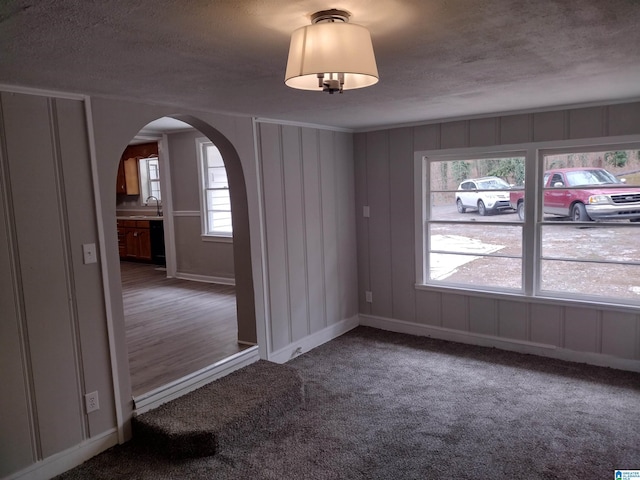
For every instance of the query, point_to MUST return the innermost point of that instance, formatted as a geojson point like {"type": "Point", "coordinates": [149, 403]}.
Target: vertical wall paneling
{"type": "Point", "coordinates": [87, 283]}
{"type": "Point", "coordinates": [548, 126]}
{"type": "Point", "coordinates": [295, 231]}
{"type": "Point", "coordinates": [401, 216]}
{"type": "Point", "coordinates": [43, 272]}
{"type": "Point", "coordinates": [515, 129]}
{"type": "Point", "coordinates": [623, 119]}
{"type": "Point", "coordinates": [454, 134]}
{"type": "Point", "coordinates": [383, 258]}
{"type": "Point", "coordinates": [545, 324]}
{"type": "Point", "coordinates": [347, 260]}
{"type": "Point", "coordinates": [17, 435]}
{"type": "Point", "coordinates": [482, 316]}
{"type": "Point", "coordinates": [581, 329]}
{"type": "Point", "coordinates": [328, 171]}
{"type": "Point", "coordinates": [426, 137]}
{"type": "Point", "coordinates": [275, 233]}
{"type": "Point", "coordinates": [313, 231]}
{"type": "Point", "coordinates": [429, 308]}
{"type": "Point", "coordinates": [619, 334]}
{"type": "Point", "coordinates": [512, 320]}
{"type": "Point", "coordinates": [587, 122]}
{"type": "Point", "coordinates": [455, 311]}
{"type": "Point", "coordinates": [380, 259]}
{"type": "Point", "coordinates": [482, 132]}
{"type": "Point", "coordinates": [362, 223]}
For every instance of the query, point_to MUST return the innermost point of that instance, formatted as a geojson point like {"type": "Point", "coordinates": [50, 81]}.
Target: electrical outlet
{"type": "Point", "coordinates": [92, 403]}
{"type": "Point", "coordinates": [368, 296]}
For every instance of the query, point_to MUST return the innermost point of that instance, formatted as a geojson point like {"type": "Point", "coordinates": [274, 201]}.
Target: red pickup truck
{"type": "Point", "coordinates": [594, 194]}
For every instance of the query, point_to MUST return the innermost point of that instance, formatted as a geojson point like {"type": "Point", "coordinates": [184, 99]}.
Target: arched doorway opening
{"type": "Point", "coordinates": [189, 256]}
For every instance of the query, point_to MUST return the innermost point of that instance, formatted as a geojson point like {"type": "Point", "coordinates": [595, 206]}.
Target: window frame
{"type": "Point", "coordinates": [533, 224]}
{"type": "Point", "coordinates": [206, 234]}
{"type": "Point", "coordinates": [146, 189]}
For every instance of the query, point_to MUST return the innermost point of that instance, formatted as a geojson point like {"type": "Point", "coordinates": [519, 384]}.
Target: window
{"type": "Point", "coordinates": [589, 224]}
{"type": "Point", "coordinates": [149, 179]}
{"type": "Point", "coordinates": [473, 237]}
{"type": "Point", "coordinates": [216, 202]}
{"type": "Point", "coordinates": [575, 236]}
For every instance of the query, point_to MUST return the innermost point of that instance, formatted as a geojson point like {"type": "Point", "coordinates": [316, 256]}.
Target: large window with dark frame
{"type": "Point", "coordinates": [579, 222]}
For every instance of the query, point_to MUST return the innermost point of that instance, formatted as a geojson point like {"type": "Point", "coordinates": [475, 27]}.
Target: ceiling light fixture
{"type": "Point", "coordinates": [331, 55]}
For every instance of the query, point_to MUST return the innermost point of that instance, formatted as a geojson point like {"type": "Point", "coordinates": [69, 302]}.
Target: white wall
{"type": "Point", "coordinates": [386, 245]}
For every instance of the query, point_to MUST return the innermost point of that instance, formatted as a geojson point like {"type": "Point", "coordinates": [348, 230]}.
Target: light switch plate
{"type": "Point", "coordinates": [89, 253]}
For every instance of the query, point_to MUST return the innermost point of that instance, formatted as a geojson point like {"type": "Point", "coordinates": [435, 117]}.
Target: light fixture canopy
{"type": "Point", "coordinates": [331, 55]}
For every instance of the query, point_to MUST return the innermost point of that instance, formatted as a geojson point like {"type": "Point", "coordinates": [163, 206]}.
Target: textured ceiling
{"type": "Point", "coordinates": [437, 58]}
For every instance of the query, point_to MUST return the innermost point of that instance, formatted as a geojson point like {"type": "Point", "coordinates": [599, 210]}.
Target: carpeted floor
{"type": "Point", "coordinates": [381, 405]}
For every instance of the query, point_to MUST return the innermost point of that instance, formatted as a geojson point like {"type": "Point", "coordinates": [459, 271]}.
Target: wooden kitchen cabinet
{"type": "Point", "coordinates": [134, 240]}
{"type": "Point", "coordinates": [128, 182]}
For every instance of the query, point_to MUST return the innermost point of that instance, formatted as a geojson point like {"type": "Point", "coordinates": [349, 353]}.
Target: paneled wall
{"type": "Point", "coordinates": [308, 203]}
{"type": "Point", "coordinates": [53, 338]}
{"type": "Point", "coordinates": [384, 162]}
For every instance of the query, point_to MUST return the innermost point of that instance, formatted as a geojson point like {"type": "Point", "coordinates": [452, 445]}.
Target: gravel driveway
{"type": "Point", "coordinates": [561, 242]}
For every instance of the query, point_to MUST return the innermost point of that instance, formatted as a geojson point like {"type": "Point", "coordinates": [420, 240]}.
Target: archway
{"type": "Point", "coordinates": [245, 308]}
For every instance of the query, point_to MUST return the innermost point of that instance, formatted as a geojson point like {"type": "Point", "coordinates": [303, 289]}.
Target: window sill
{"type": "Point", "coordinates": [217, 238]}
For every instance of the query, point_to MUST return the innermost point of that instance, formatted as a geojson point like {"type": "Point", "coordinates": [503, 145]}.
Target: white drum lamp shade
{"type": "Point", "coordinates": [331, 51]}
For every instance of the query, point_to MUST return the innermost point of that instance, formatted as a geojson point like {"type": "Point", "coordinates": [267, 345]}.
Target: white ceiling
{"type": "Point", "coordinates": [437, 58]}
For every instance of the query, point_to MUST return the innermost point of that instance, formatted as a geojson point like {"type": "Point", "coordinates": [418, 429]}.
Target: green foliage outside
{"type": "Point", "coordinates": [510, 169]}
{"type": "Point", "coordinates": [460, 170]}
{"type": "Point", "coordinates": [616, 159]}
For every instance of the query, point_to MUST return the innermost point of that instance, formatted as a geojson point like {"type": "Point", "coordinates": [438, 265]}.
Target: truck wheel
{"type": "Point", "coordinates": [482, 209]}
{"type": "Point", "coordinates": [461, 208]}
{"type": "Point", "coordinates": [520, 210]}
{"type": "Point", "coordinates": [579, 213]}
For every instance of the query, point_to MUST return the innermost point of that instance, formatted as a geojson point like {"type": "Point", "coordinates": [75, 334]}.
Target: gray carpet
{"type": "Point", "coordinates": [221, 412]}
{"type": "Point", "coordinates": [381, 405]}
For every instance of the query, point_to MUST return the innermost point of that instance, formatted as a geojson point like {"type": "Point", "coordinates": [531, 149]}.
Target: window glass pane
{"type": "Point", "coordinates": [482, 255]}
{"type": "Point", "coordinates": [480, 271]}
{"type": "Point", "coordinates": [588, 186]}
{"type": "Point", "coordinates": [219, 222]}
{"type": "Point", "coordinates": [613, 281]}
{"type": "Point", "coordinates": [606, 243]}
{"type": "Point", "coordinates": [463, 190]}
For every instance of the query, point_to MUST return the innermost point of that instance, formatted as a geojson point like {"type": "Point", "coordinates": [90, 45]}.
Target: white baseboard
{"type": "Point", "coordinates": [187, 384]}
{"type": "Point", "coordinates": [513, 345]}
{"type": "Point", "coordinates": [205, 278]}
{"type": "Point", "coordinates": [314, 340]}
{"type": "Point", "coordinates": [68, 459]}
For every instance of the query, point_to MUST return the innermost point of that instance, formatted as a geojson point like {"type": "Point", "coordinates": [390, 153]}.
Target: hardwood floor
{"type": "Point", "coordinates": [174, 327]}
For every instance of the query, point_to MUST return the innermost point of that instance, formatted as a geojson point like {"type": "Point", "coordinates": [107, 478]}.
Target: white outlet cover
{"type": "Point", "coordinates": [89, 253]}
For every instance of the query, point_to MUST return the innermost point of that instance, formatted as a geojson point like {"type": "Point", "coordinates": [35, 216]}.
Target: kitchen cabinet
{"type": "Point", "coordinates": [134, 240]}
{"type": "Point", "coordinates": [128, 182]}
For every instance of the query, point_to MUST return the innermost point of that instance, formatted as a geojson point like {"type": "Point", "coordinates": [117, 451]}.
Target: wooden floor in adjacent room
{"type": "Point", "coordinates": [174, 327]}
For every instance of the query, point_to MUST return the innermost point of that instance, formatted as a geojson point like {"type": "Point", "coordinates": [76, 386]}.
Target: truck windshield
{"type": "Point", "coordinates": [590, 177]}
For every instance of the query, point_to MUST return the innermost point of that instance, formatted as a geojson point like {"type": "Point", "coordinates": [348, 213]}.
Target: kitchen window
{"type": "Point", "coordinates": [215, 198]}
{"type": "Point", "coordinates": [149, 170]}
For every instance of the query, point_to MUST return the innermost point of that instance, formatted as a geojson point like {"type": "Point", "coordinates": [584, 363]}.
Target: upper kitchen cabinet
{"type": "Point", "coordinates": [128, 181]}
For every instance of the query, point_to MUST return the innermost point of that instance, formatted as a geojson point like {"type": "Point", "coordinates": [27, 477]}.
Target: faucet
{"type": "Point", "coordinates": [158, 211]}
